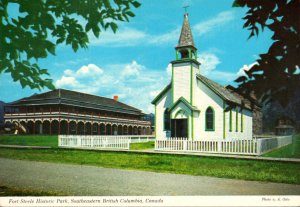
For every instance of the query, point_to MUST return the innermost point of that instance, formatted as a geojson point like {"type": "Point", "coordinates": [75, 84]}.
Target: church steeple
{"type": "Point", "coordinates": [186, 37]}
{"type": "Point", "coordinates": [186, 46]}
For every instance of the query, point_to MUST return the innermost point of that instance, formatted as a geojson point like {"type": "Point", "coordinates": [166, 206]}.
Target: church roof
{"type": "Point", "coordinates": [224, 93]}
{"type": "Point", "coordinates": [186, 37]}
{"type": "Point", "coordinates": [74, 98]}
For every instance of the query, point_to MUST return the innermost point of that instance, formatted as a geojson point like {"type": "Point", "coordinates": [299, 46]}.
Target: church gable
{"type": "Point", "coordinates": [162, 93]}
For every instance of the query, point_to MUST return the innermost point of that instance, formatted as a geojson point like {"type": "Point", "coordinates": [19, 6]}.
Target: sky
{"type": "Point", "coordinates": [134, 63]}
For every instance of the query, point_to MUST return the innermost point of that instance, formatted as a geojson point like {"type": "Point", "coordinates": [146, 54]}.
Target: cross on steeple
{"type": "Point", "coordinates": [185, 6]}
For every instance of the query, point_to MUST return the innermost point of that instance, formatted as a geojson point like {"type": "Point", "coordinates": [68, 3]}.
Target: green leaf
{"type": "Point", "coordinates": [136, 4]}
{"type": "Point", "coordinates": [114, 26]}
{"type": "Point", "coordinates": [236, 4]}
{"type": "Point", "coordinates": [49, 85]}
{"type": "Point", "coordinates": [129, 13]}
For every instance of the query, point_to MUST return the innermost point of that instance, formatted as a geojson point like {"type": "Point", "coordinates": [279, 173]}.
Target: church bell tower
{"type": "Point", "coordinates": [186, 66]}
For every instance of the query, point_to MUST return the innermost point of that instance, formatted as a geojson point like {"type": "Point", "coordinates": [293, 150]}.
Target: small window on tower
{"type": "Point", "coordinates": [184, 54]}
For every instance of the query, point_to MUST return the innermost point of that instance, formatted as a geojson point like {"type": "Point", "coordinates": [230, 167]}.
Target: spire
{"type": "Point", "coordinates": [186, 37]}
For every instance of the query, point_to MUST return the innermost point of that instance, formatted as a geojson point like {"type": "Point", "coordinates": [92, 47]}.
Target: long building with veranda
{"type": "Point", "coordinates": [63, 111]}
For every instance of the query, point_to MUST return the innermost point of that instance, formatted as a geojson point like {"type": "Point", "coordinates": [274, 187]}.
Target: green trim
{"type": "Point", "coordinates": [189, 133]}
{"type": "Point", "coordinates": [184, 101]}
{"type": "Point", "coordinates": [192, 125]}
{"type": "Point", "coordinates": [224, 121]}
{"type": "Point", "coordinates": [213, 129]}
{"type": "Point", "coordinates": [172, 84]}
{"type": "Point", "coordinates": [191, 86]}
{"type": "Point", "coordinates": [236, 120]}
{"type": "Point", "coordinates": [230, 120]}
{"type": "Point", "coordinates": [179, 111]}
{"type": "Point", "coordinates": [184, 60]}
{"type": "Point", "coordinates": [176, 54]}
{"type": "Point", "coordinates": [191, 95]}
{"type": "Point", "coordinates": [155, 124]}
{"type": "Point", "coordinates": [161, 94]}
{"type": "Point", "coordinates": [242, 121]}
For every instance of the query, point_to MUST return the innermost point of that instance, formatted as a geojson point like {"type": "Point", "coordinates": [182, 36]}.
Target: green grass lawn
{"type": "Point", "coordinates": [142, 146]}
{"type": "Point", "coordinates": [29, 140]}
{"type": "Point", "coordinates": [191, 165]}
{"type": "Point", "coordinates": [289, 151]}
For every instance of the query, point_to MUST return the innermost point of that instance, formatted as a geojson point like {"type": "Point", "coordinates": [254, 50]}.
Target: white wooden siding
{"type": "Point", "coordinates": [161, 105]}
{"type": "Point", "coordinates": [182, 78]}
{"type": "Point", "coordinates": [247, 125]}
{"type": "Point", "coordinates": [204, 98]}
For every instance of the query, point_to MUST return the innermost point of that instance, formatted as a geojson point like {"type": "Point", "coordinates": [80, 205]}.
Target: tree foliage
{"type": "Point", "coordinates": [39, 26]}
{"type": "Point", "coordinates": [276, 77]}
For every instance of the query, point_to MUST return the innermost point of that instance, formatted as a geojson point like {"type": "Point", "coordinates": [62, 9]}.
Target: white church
{"type": "Point", "coordinates": [193, 106]}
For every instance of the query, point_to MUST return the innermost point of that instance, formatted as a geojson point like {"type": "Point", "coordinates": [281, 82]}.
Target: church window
{"type": "Point", "coordinates": [166, 120]}
{"type": "Point", "coordinates": [209, 119]}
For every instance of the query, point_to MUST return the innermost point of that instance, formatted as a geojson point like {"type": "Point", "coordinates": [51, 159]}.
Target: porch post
{"type": "Point", "coordinates": [50, 127]}
{"type": "Point", "coordinates": [33, 126]}
{"type": "Point", "coordinates": [59, 126]}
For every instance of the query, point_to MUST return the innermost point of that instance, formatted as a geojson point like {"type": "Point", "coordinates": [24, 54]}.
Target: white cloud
{"type": "Point", "coordinates": [67, 81]}
{"type": "Point", "coordinates": [133, 69]}
{"type": "Point", "coordinates": [89, 70]}
{"type": "Point", "coordinates": [135, 84]}
{"type": "Point", "coordinates": [123, 37]}
{"type": "Point", "coordinates": [126, 36]}
{"type": "Point", "coordinates": [169, 70]}
{"type": "Point", "coordinates": [209, 62]}
{"type": "Point", "coordinates": [242, 70]}
{"type": "Point", "coordinates": [211, 24]}
{"type": "Point", "coordinates": [168, 37]}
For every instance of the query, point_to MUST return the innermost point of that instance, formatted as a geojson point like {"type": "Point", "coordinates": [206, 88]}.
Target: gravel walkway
{"type": "Point", "coordinates": [97, 181]}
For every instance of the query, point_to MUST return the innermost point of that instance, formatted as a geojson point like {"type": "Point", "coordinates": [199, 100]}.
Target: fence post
{"type": "Point", "coordinates": [184, 145]}
{"type": "Point", "coordinates": [258, 146]}
{"type": "Point", "coordinates": [219, 146]}
{"type": "Point", "coordinates": [92, 141]}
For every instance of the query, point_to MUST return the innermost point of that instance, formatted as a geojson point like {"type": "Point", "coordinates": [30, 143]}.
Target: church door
{"type": "Point", "coordinates": [179, 128]}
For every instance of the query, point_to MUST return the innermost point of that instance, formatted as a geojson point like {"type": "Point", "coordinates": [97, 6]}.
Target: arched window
{"type": "Point", "coordinates": [166, 120]}
{"type": "Point", "coordinates": [209, 119]}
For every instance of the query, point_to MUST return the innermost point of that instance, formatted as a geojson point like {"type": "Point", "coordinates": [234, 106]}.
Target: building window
{"type": "Point", "coordinates": [230, 120]}
{"type": "Point", "coordinates": [236, 121]}
{"type": "Point", "coordinates": [209, 119]}
{"type": "Point", "coordinates": [166, 120]}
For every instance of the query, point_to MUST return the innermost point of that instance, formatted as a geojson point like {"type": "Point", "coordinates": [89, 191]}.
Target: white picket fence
{"type": "Point", "coordinates": [141, 138]}
{"type": "Point", "coordinates": [249, 147]}
{"type": "Point", "coordinates": [244, 147]}
{"type": "Point", "coordinates": [94, 142]}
